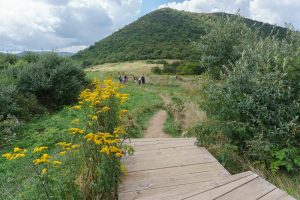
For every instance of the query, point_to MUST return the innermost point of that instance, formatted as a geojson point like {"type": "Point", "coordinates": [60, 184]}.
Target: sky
{"type": "Point", "coordinates": [72, 25]}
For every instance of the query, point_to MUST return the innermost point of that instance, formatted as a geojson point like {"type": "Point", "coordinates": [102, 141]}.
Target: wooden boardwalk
{"type": "Point", "coordinates": [176, 169]}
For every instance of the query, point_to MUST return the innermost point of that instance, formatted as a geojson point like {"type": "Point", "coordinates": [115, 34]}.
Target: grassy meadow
{"type": "Point", "coordinates": [185, 114]}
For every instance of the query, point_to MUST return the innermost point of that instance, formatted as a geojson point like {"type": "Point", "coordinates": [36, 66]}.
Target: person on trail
{"type": "Point", "coordinates": [140, 80]}
{"type": "Point", "coordinates": [121, 79]}
{"type": "Point", "coordinates": [125, 79]}
{"type": "Point", "coordinates": [143, 79]}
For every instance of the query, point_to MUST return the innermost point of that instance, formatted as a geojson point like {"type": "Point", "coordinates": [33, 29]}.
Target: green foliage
{"type": "Point", "coordinates": [30, 57]}
{"type": "Point", "coordinates": [224, 44]}
{"type": "Point", "coordinates": [55, 81]}
{"type": "Point", "coordinates": [165, 33]}
{"type": "Point", "coordinates": [258, 101]}
{"type": "Point", "coordinates": [156, 70]}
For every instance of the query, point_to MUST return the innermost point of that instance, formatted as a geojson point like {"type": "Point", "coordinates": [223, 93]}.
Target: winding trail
{"type": "Point", "coordinates": [156, 123]}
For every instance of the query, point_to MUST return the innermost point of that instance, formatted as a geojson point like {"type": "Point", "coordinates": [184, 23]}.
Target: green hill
{"type": "Point", "coordinates": [164, 33]}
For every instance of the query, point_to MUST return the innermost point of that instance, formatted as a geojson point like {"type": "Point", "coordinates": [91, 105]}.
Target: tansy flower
{"type": "Point", "coordinates": [75, 146]}
{"type": "Point", "coordinates": [57, 162]}
{"type": "Point", "coordinates": [105, 109]}
{"type": "Point", "coordinates": [76, 107]}
{"type": "Point", "coordinates": [73, 131]}
{"type": "Point", "coordinates": [39, 149]}
{"type": "Point", "coordinates": [62, 153]}
{"type": "Point", "coordinates": [8, 156]}
{"type": "Point", "coordinates": [42, 160]}
{"type": "Point", "coordinates": [94, 117]}
{"type": "Point", "coordinates": [17, 149]}
{"type": "Point", "coordinates": [114, 149]}
{"type": "Point", "coordinates": [44, 171]}
{"type": "Point", "coordinates": [119, 155]}
{"type": "Point", "coordinates": [105, 150]}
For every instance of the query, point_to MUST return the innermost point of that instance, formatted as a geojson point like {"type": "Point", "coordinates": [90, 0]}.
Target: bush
{"type": "Point", "coordinates": [156, 70]}
{"type": "Point", "coordinates": [55, 81]}
{"type": "Point", "coordinates": [258, 102]}
{"type": "Point", "coordinates": [224, 44]}
{"type": "Point", "coordinates": [8, 127]}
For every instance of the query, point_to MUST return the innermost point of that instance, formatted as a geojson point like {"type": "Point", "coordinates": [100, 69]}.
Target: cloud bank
{"type": "Point", "coordinates": [61, 24]}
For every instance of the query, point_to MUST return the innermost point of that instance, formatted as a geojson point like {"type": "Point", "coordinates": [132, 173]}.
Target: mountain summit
{"type": "Point", "coordinates": [164, 33]}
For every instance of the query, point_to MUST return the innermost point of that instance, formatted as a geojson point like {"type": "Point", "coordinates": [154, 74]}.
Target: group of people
{"type": "Point", "coordinates": [140, 80]}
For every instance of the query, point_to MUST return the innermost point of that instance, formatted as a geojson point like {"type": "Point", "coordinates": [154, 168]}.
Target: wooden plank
{"type": "Point", "coordinates": [157, 182]}
{"type": "Point", "coordinates": [169, 152]}
{"type": "Point", "coordinates": [162, 145]}
{"type": "Point", "coordinates": [165, 172]}
{"type": "Point", "coordinates": [286, 197]}
{"type": "Point", "coordinates": [141, 140]}
{"type": "Point", "coordinates": [177, 189]}
{"type": "Point", "coordinates": [138, 164]}
{"type": "Point", "coordinates": [219, 191]}
{"type": "Point", "coordinates": [154, 152]}
{"type": "Point", "coordinates": [274, 194]}
{"type": "Point", "coordinates": [253, 190]}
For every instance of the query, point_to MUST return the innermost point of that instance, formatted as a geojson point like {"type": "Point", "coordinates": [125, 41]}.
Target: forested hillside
{"type": "Point", "coordinates": [165, 33]}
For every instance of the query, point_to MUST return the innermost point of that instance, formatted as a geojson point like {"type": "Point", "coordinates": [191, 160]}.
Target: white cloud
{"type": "Point", "coordinates": [59, 24]}
{"type": "Point", "coordinates": [271, 11]}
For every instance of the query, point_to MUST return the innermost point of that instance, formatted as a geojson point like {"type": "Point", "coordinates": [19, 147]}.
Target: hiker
{"type": "Point", "coordinates": [143, 79]}
{"type": "Point", "coordinates": [125, 79]}
{"type": "Point", "coordinates": [121, 79]}
{"type": "Point", "coordinates": [140, 80]}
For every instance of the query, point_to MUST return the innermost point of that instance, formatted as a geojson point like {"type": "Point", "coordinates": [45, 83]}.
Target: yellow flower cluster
{"type": "Point", "coordinates": [100, 93]}
{"type": "Point", "coordinates": [95, 100]}
{"type": "Point", "coordinates": [17, 153]}
{"type": "Point", "coordinates": [74, 131]}
{"type": "Point", "coordinates": [42, 160]}
{"type": "Point", "coordinates": [39, 149]}
{"type": "Point", "coordinates": [67, 147]}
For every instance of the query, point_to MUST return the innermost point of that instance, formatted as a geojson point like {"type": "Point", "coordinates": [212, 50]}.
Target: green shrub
{"type": "Point", "coordinates": [156, 70]}
{"type": "Point", "coordinates": [55, 81]}
{"type": "Point", "coordinates": [224, 44]}
{"type": "Point", "coordinates": [258, 101]}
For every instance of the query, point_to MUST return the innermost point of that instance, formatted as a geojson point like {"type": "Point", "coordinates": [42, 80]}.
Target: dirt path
{"type": "Point", "coordinates": [156, 123]}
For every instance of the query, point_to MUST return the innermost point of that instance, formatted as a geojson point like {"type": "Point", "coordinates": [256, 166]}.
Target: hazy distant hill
{"type": "Point", "coordinates": [64, 54]}
{"type": "Point", "coordinates": [164, 33]}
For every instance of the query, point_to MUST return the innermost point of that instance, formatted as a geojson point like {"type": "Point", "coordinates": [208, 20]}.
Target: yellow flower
{"type": "Point", "coordinates": [39, 149]}
{"type": "Point", "coordinates": [19, 155]}
{"type": "Point", "coordinates": [17, 149]}
{"type": "Point", "coordinates": [76, 107]}
{"type": "Point", "coordinates": [73, 131]}
{"type": "Point", "coordinates": [114, 149]}
{"type": "Point", "coordinates": [75, 146]}
{"type": "Point", "coordinates": [119, 154]}
{"type": "Point", "coordinates": [8, 156]}
{"type": "Point", "coordinates": [44, 171]}
{"type": "Point", "coordinates": [57, 162]}
{"type": "Point", "coordinates": [94, 117]}
{"type": "Point", "coordinates": [105, 150]}
{"type": "Point", "coordinates": [105, 109]}
{"type": "Point", "coordinates": [62, 153]}
{"type": "Point", "coordinates": [120, 130]}
{"type": "Point", "coordinates": [90, 137]}
{"type": "Point", "coordinates": [42, 160]}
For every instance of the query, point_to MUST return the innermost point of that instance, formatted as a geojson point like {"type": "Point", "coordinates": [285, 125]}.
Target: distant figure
{"type": "Point", "coordinates": [125, 79]}
{"type": "Point", "coordinates": [121, 79]}
{"type": "Point", "coordinates": [143, 79]}
{"type": "Point", "coordinates": [134, 79]}
{"type": "Point", "coordinates": [140, 80]}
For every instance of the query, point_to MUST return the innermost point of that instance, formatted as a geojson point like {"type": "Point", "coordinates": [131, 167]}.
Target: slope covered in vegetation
{"type": "Point", "coordinates": [164, 33]}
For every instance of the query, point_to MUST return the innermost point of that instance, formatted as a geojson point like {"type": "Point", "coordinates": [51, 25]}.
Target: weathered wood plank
{"type": "Point", "coordinates": [166, 172]}
{"type": "Point", "coordinates": [253, 190]}
{"type": "Point", "coordinates": [174, 191]}
{"type": "Point", "coordinates": [219, 191]}
{"type": "Point", "coordinates": [274, 194]}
